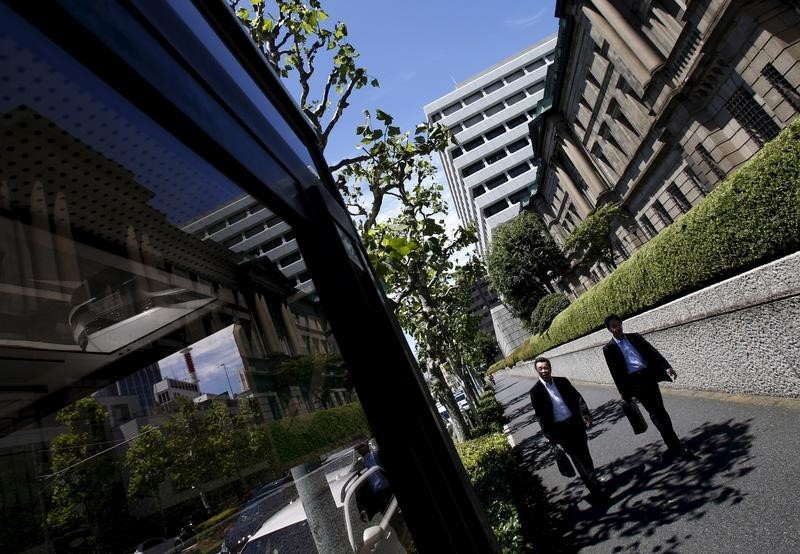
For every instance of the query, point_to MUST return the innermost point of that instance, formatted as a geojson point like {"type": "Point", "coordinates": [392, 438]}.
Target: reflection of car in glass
{"type": "Point", "coordinates": [368, 529]}
{"type": "Point", "coordinates": [157, 545]}
{"type": "Point", "coordinates": [461, 400]}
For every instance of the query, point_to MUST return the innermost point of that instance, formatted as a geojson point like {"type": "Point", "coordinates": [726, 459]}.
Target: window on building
{"type": "Point", "coordinates": [290, 259]}
{"type": "Point", "coordinates": [232, 241]}
{"type": "Point", "coordinates": [534, 65]}
{"type": "Point", "coordinates": [436, 117]}
{"type": "Point", "coordinates": [478, 191]}
{"type": "Point", "coordinates": [647, 227]}
{"type": "Point", "coordinates": [475, 119]}
{"type": "Point", "coordinates": [237, 217]}
{"type": "Point", "coordinates": [752, 116]}
{"type": "Point", "coordinates": [519, 196]}
{"type": "Point", "coordinates": [451, 109]}
{"type": "Point", "coordinates": [272, 221]}
{"type": "Point", "coordinates": [496, 157]}
{"type": "Point", "coordinates": [783, 86]}
{"type": "Point", "coordinates": [514, 98]}
{"type": "Point", "coordinates": [495, 132]}
{"type": "Point", "coordinates": [518, 144]}
{"type": "Point", "coordinates": [253, 231]}
{"type": "Point", "coordinates": [473, 144]}
{"type": "Point", "coordinates": [495, 208]}
{"type": "Point", "coordinates": [494, 109]}
{"type": "Point", "coordinates": [705, 155]}
{"type": "Point", "coordinates": [679, 198]}
{"type": "Point", "coordinates": [516, 121]}
{"type": "Point", "coordinates": [217, 227]}
{"type": "Point", "coordinates": [497, 85]}
{"type": "Point", "coordinates": [518, 170]}
{"type": "Point", "coordinates": [495, 182]}
{"type": "Point", "coordinates": [472, 168]}
{"type": "Point", "coordinates": [514, 76]}
{"type": "Point", "coordinates": [455, 129]}
{"type": "Point", "coordinates": [271, 245]}
{"type": "Point", "coordinates": [663, 214]}
{"type": "Point", "coordinates": [456, 152]}
{"type": "Point", "coordinates": [474, 97]}
{"type": "Point", "coordinates": [534, 88]}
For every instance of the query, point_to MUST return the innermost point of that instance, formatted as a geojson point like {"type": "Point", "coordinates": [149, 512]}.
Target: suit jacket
{"type": "Point", "coordinates": [543, 405]}
{"type": "Point", "coordinates": [656, 364]}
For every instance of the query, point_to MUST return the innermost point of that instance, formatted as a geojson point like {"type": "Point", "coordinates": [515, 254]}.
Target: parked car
{"type": "Point", "coordinates": [157, 545]}
{"type": "Point", "coordinates": [461, 400]}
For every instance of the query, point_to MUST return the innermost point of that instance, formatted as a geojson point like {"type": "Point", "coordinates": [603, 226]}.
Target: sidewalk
{"type": "Point", "coordinates": [742, 495]}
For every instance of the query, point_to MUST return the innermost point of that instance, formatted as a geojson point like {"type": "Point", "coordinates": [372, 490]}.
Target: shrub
{"type": "Point", "coordinates": [489, 463]}
{"type": "Point", "coordinates": [546, 310]}
{"type": "Point", "coordinates": [301, 438]}
{"type": "Point", "coordinates": [490, 414]}
{"type": "Point", "coordinates": [515, 501]}
{"type": "Point", "coordinates": [751, 218]}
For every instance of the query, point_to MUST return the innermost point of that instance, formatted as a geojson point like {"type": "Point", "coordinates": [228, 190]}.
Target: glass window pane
{"type": "Point", "coordinates": [161, 388]}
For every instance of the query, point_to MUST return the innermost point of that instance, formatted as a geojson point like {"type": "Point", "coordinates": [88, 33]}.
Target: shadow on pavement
{"type": "Point", "coordinates": [649, 492]}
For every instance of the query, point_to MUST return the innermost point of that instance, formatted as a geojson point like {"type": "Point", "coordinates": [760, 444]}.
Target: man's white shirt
{"type": "Point", "coordinates": [633, 360]}
{"type": "Point", "coordinates": [561, 411]}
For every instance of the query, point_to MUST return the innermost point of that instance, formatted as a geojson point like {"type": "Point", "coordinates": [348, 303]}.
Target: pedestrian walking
{"type": "Point", "coordinates": [637, 368]}
{"type": "Point", "coordinates": [564, 418]}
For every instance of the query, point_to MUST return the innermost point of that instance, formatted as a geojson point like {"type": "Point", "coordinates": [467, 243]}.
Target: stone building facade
{"type": "Point", "coordinates": [650, 104]}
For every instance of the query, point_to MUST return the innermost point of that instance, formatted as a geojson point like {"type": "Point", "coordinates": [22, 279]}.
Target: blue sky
{"type": "Point", "coordinates": [418, 51]}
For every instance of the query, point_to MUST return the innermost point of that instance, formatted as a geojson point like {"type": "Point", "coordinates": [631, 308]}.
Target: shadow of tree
{"type": "Point", "coordinates": [648, 492]}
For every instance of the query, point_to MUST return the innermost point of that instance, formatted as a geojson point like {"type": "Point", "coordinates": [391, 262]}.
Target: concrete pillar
{"type": "Point", "coordinates": [267, 326]}
{"type": "Point", "coordinates": [291, 330]}
{"type": "Point", "coordinates": [573, 191]}
{"type": "Point", "coordinates": [644, 51]}
{"type": "Point", "coordinates": [620, 47]}
{"type": "Point", "coordinates": [325, 520]}
{"type": "Point", "coordinates": [585, 167]}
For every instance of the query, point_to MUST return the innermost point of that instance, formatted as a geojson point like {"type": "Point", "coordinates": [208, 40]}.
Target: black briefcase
{"type": "Point", "coordinates": [563, 463]}
{"type": "Point", "coordinates": [634, 415]}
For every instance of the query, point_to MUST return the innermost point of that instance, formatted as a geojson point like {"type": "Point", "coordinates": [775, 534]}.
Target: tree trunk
{"type": "Point", "coordinates": [449, 402]}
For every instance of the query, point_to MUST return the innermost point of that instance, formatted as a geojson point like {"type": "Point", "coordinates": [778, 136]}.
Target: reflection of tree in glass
{"type": "Point", "coordinates": [85, 491]}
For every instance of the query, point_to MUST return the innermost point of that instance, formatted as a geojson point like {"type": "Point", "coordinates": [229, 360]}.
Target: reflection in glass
{"type": "Point", "coordinates": [169, 378]}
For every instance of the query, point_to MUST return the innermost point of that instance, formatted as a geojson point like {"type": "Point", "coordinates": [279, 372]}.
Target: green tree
{"type": "Point", "coordinates": [85, 485]}
{"type": "Point", "coordinates": [393, 169]}
{"type": "Point", "coordinates": [193, 461]}
{"type": "Point", "coordinates": [295, 39]}
{"type": "Point", "coordinates": [546, 310]}
{"type": "Point", "coordinates": [522, 260]}
{"type": "Point", "coordinates": [590, 241]}
{"type": "Point", "coordinates": [147, 461]}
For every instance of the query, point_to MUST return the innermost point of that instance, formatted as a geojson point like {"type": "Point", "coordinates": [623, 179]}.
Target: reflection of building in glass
{"type": "Point", "coordinates": [169, 389]}
{"type": "Point", "coordinates": [139, 385]}
{"type": "Point", "coordinates": [79, 285]}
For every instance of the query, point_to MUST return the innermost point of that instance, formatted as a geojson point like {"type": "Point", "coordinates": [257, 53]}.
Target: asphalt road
{"type": "Point", "coordinates": [742, 495]}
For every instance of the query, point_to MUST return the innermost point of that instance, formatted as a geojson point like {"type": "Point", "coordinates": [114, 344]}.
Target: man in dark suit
{"type": "Point", "coordinates": [637, 368]}
{"type": "Point", "coordinates": [564, 418]}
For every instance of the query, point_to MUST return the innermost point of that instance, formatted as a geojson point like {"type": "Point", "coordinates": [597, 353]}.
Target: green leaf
{"type": "Point", "coordinates": [383, 116]}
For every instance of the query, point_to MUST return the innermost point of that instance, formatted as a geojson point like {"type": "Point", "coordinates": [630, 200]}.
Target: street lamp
{"type": "Point", "coordinates": [230, 388]}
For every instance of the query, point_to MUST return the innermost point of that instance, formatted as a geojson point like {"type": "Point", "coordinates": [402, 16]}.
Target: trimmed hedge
{"type": "Point", "coordinates": [489, 462]}
{"type": "Point", "coordinates": [751, 218]}
{"type": "Point", "coordinates": [490, 414]}
{"type": "Point", "coordinates": [515, 501]}
{"type": "Point", "coordinates": [546, 310]}
{"type": "Point", "coordinates": [302, 438]}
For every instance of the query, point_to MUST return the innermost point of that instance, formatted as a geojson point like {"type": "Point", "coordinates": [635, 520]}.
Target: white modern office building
{"type": "Point", "coordinates": [490, 169]}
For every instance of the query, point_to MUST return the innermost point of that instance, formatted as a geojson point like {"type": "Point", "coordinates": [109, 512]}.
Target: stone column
{"type": "Point", "coordinates": [620, 47]}
{"type": "Point", "coordinates": [585, 168]}
{"type": "Point", "coordinates": [573, 191]}
{"type": "Point", "coordinates": [291, 330]}
{"type": "Point", "coordinates": [268, 330]}
{"type": "Point", "coordinates": [649, 56]}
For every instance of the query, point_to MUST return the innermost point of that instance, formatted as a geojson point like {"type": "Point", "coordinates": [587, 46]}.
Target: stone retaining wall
{"type": "Point", "coordinates": [740, 336]}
